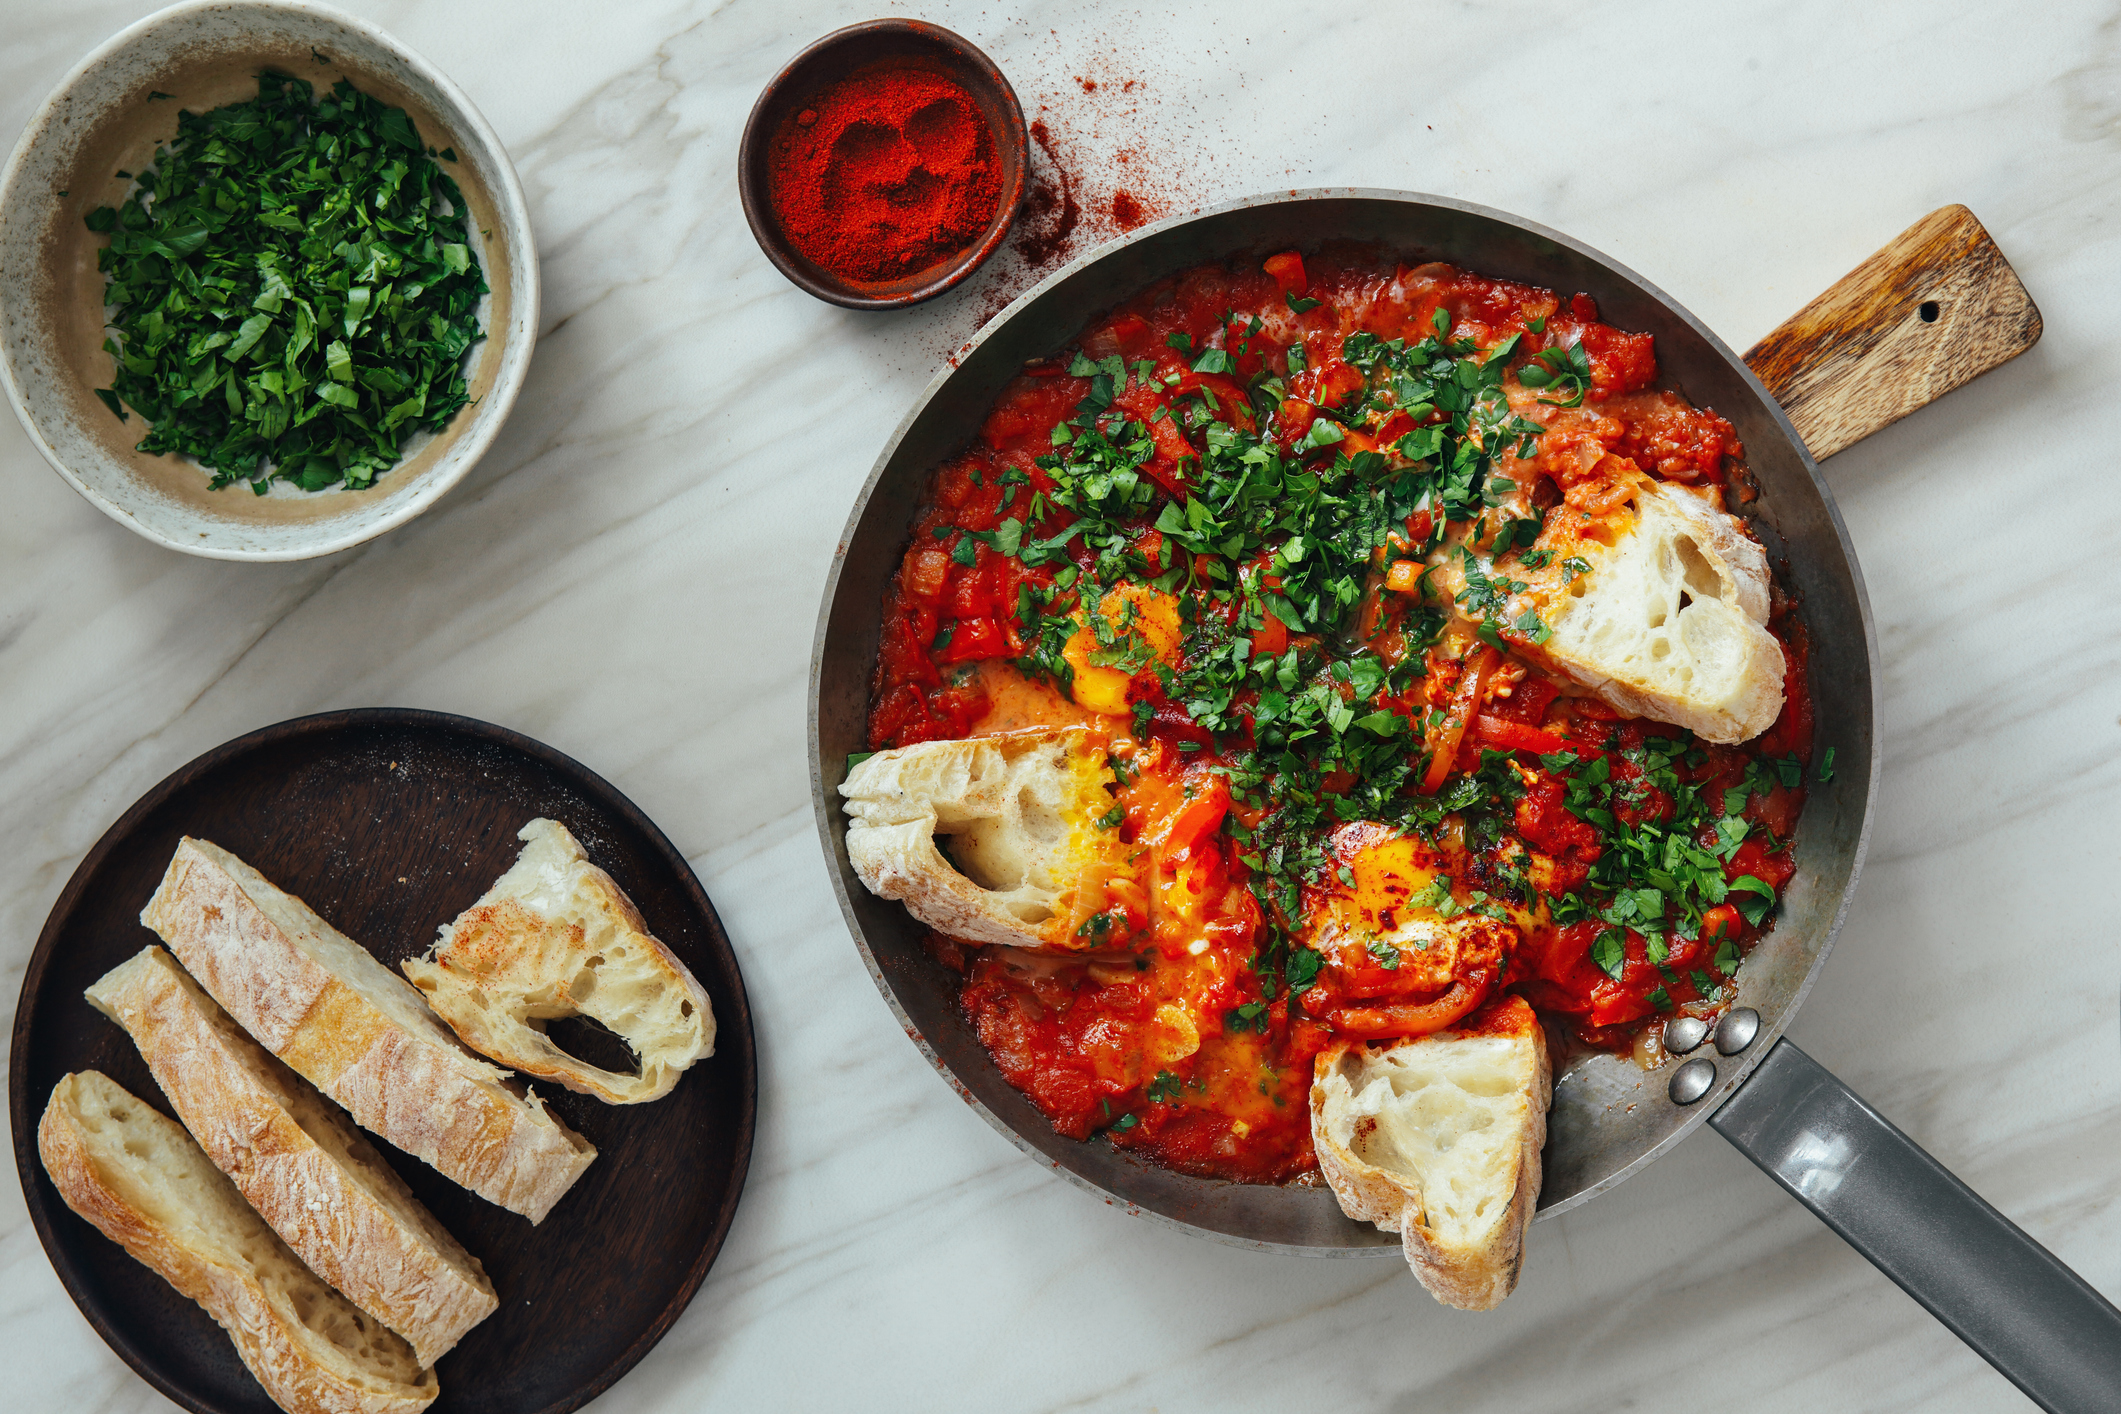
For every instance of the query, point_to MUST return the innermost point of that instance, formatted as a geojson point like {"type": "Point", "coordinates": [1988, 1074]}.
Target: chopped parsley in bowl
{"type": "Point", "coordinates": [324, 288]}
{"type": "Point", "coordinates": [291, 289]}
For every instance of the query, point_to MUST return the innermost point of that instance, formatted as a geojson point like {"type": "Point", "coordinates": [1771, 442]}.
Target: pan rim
{"type": "Point", "coordinates": [824, 797]}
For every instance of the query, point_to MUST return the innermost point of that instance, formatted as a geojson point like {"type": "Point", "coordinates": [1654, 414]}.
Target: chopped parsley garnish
{"type": "Point", "coordinates": [1759, 897]}
{"type": "Point", "coordinates": [1096, 928]}
{"type": "Point", "coordinates": [1727, 958]}
{"type": "Point", "coordinates": [1566, 370]}
{"type": "Point", "coordinates": [293, 290]}
{"type": "Point", "coordinates": [1435, 895]}
{"type": "Point", "coordinates": [1284, 546]}
{"type": "Point", "coordinates": [1301, 970]}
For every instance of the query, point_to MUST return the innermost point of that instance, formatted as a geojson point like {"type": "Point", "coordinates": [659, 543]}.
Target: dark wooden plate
{"type": "Point", "coordinates": [388, 822]}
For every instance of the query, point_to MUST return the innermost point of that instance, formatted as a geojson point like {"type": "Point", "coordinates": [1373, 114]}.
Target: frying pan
{"type": "Point", "coordinates": [1916, 320]}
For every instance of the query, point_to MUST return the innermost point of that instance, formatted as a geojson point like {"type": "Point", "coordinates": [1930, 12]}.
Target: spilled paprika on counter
{"type": "Point", "coordinates": [884, 173]}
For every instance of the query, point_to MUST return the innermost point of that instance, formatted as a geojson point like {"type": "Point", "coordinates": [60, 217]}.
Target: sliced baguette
{"type": "Point", "coordinates": [556, 936]}
{"type": "Point", "coordinates": [146, 1186]}
{"type": "Point", "coordinates": [1438, 1140]}
{"type": "Point", "coordinates": [1668, 623]}
{"type": "Point", "coordinates": [298, 1159]}
{"type": "Point", "coordinates": [358, 1032]}
{"type": "Point", "coordinates": [1021, 812]}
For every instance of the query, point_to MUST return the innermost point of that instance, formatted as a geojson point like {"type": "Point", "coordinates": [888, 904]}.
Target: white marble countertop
{"type": "Point", "coordinates": [633, 572]}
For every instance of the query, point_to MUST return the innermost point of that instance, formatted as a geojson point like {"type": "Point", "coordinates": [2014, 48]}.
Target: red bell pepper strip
{"type": "Point", "coordinates": [1465, 700]}
{"type": "Point", "coordinates": [1373, 1023]}
{"type": "Point", "coordinates": [1288, 272]}
{"type": "Point", "coordinates": [1200, 816]}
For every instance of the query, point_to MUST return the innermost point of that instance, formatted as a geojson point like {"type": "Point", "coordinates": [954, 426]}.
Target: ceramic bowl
{"type": "Point", "coordinates": [108, 116]}
{"type": "Point", "coordinates": [913, 43]}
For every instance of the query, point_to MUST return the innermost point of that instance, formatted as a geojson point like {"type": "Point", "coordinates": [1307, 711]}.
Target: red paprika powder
{"type": "Point", "coordinates": [884, 173]}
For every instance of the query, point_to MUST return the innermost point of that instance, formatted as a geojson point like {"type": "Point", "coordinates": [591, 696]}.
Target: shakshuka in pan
{"type": "Point", "coordinates": [1313, 693]}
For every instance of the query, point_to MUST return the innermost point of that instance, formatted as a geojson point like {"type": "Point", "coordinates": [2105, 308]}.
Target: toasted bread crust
{"type": "Point", "coordinates": [258, 1292]}
{"type": "Point", "coordinates": [1471, 1278]}
{"type": "Point", "coordinates": [1023, 804]}
{"type": "Point", "coordinates": [1657, 603]}
{"type": "Point", "coordinates": [358, 1032]}
{"type": "Point", "coordinates": [1727, 616]}
{"type": "Point", "coordinates": [298, 1160]}
{"type": "Point", "coordinates": [556, 936]}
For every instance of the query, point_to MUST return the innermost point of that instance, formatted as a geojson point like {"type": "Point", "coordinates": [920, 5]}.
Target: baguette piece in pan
{"type": "Point", "coordinates": [359, 1032]}
{"type": "Point", "coordinates": [147, 1187]}
{"type": "Point", "coordinates": [556, 936]}
{"type": "Point", "coordinates": [1028, 867]}
{"type": "Point", "coordinates": [1670, 620]}
{"type": "Point", "coordinates": [298, 1159]}
{"type": "Point", "coordinates": [1437, 1138]}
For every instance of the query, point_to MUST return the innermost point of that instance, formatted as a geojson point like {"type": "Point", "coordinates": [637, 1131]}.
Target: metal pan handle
{"type": "Point", "coordinates": [2048, 1331]}
{"type": "Point", "coordinates": [1934, 309]}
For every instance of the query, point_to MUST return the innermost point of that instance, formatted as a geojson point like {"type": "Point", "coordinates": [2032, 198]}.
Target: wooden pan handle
{"type": "Point", "coordinates": [1938, 307]}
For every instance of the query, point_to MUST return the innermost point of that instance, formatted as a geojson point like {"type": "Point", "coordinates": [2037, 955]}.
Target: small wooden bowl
{"type": "Point", "coordinates": [826, 62]}
{"type": "Point", "coordinates": [109, 115]}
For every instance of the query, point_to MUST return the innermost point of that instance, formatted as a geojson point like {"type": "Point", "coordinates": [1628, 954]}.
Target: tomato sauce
{"type": "Point", "coordinates": [1194, 1044]}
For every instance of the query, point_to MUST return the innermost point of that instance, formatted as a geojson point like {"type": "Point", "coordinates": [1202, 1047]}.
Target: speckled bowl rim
{"type": "Point", "coordinates": [506, 193]}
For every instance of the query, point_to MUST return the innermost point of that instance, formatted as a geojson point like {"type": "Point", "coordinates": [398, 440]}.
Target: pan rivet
{"type": "Point", "coordinates": [1692, 1080]}
{"type": "Point", "coordinates": [1737, 1030]}
{"type": "Point", "coordinates": [1684, 1033]}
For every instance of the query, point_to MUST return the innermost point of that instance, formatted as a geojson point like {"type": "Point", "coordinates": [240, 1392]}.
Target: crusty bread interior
{"type": "Point", "coordinates": [298, 1159]}
{"type": "Point", "coordinates": [359, 1032]}
{"type": "Point", "coordinates": [1438, 1139]}
{"type": "Point", "coordinates": [1669, 621]}
{"type": "Point", "coordinates": [1020, 811]}
{"type": "Point", "coordinates": [554, 937]}
{"type": "Point", "coordinates": [139, 1178]}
